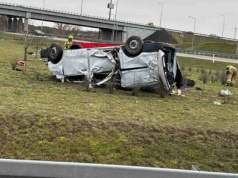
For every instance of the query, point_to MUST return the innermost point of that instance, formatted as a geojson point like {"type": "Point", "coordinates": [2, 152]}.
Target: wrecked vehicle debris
{"type": "Point", "coordinates": [133, 64]}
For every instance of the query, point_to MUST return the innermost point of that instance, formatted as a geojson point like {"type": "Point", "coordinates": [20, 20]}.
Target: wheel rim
{"type": "Point", "coordinates": [53, 51]}
{"type": "Point", "coordinates": [134, 44]}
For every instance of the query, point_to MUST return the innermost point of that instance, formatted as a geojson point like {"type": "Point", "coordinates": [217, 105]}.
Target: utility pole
{"type": "Point", "coordinates": [193, 29]}
{"type": "Point", "coordinates": [223, 25]}
{"type": "Point", "coordinates": [81, 12]}
{"type": "Point", "coordinates": [237, 49]}
{"type": "Point", "coordinates": [237, 42]}
{"type": "Point", "coordinates": [161, 13]}
{"type": "Point", "coordinates": [235, 34]}
{"type": "Point", "coordinates": [115, 17]}
{"type": "Point", "coordinates": [43, 15]}
{"type": "Point", "coordinates": [110, 6]}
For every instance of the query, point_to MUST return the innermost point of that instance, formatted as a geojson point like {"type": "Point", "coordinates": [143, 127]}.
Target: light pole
{"type": "Point", "coordinates": [193, 28]}
{"type": "Point", "coordinates": [110, 6]}
{"type": "Point", "coordinates": [223, 25]}
{"type": "Point", "coordinates": [43, 15]}
{"type": "Point", "coordinates": [235, 34]}
{"type": "Point", "coordinates": [237, 42]}
{"type": "Point", "coordinates": [181, 36]}
{"type": "Point", "coordinates": [115, 19]}
{"type": "Point", "coordinates": [237, 49]}
{"type": "Point", "coordinates": [116, 10]}
{"type": "Point", "coordinates": [81, 7]}
{"type": "Point", "coordinates": [162, 5]}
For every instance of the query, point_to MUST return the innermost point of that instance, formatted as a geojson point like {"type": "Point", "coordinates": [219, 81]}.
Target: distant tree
{"type": "Point", "coordinates": [150, 24]}
{"type": "Point", "coordinates": [75, 30]}
{"type": "Point", "coordinates": [62, 28]}
{"type": "Point", "coordinates": [47, 29]}
{"type": "Point", "coordinates": [27, 40]}
{"type": "Point", "coordinates": [31, 25]}
{"type": "Point", "coordinates": [38, 42]}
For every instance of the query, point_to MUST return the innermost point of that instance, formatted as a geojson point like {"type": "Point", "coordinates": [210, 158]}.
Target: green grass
{"type": "Point", "coordinates": [204, 43]}
{"type": "Point", "coordinates": [41, 119]}
{"type": "Point", "coordinates": [219, 47]}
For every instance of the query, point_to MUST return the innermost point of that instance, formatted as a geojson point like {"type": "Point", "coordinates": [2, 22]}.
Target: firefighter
{"type": "Point", "coordinates": [231, 73]}
{"type": "Point", "coordinates": [68, 43]}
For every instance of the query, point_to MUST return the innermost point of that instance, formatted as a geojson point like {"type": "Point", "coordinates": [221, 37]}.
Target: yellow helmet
{"type": "Point", "coordinates": [70, 37]}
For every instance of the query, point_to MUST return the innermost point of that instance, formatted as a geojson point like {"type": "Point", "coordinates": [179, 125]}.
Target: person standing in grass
{"type": "Point", "coordinates": [68, 43]}
{"type": "Point", "coordinates": [231, 73]}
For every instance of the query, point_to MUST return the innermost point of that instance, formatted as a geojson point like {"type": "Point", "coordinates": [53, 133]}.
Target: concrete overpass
{"type": "Point", "coordinates": [109, 29]}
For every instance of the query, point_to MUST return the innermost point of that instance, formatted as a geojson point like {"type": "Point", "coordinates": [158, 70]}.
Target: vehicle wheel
{"type": "Point", "coordinates": [55, 53]}
{"type": "Point", "coordinates": [75, 46]}
{"type": "Point", "coordinates": [44, 53]}
{"type": "Point", "coordinates": [133, 46]}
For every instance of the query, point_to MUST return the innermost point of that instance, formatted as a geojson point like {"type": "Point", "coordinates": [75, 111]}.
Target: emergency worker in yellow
{"type": "Point", "coordinates": [68, 43]}
{"type": "Point", "coordinates": [231, 73]}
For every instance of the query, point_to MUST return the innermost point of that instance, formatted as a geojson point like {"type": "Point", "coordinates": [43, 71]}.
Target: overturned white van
{"type": "Point", "coordinates": [135, 63]}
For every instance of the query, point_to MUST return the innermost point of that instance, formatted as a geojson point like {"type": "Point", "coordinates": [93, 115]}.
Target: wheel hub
{"type": "Point", "coordinates": [53, 51]}
{"type": "Point", "coordinates": [133, 44]}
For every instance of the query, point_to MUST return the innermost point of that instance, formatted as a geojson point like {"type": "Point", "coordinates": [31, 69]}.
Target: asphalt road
{"type": "Point", "coordinates": [209, 58]}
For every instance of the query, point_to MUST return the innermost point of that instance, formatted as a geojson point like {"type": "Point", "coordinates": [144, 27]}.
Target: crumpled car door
{"type": "Point", "coordinates": [163, 70]}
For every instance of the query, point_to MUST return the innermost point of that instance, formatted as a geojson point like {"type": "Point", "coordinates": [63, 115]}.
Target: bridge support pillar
{"type": "Point", "coordinates": [110, 35]}
{"type": "Point", "coordinates": [26, 24]}
{"type": "Point", "coordinates": [117, 36]}
{"type": "Point", "coordinates": [15, 23]}
{"type": "Point", "coordinates": [20, 24]}
{"type": "Point", "coordinates": [28, 16]}
{"type": "Point", "coordinates": [9, 23]}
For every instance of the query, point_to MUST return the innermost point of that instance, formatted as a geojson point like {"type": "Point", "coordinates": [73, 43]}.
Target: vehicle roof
{"type": "Point", "coordinates": [150, 47]}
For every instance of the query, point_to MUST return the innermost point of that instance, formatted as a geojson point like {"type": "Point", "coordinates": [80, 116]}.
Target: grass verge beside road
{"type": "Point", "coordinates": [41, 119]}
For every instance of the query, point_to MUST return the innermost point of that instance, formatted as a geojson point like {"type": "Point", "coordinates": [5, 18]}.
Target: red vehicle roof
{"type": "Point", "coordinates": [94, 44]}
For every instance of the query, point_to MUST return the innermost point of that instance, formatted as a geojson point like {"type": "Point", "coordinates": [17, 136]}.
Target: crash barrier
{"type": "Point", "coordinates": [208, 53]}
{"type": "Point", "coordinates": [43, 169]}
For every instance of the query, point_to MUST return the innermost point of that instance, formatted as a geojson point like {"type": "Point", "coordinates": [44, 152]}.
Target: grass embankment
{"type": "Point", "coordinates": [42, 119]}
{"type": "Point", "coordinates": [201, 43]}
{"type": "Point", "coordinates": [210, 46]}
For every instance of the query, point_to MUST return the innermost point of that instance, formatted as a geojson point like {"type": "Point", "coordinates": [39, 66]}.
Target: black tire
{"type": "Point", "coordinates": [55, 53]}
{"type": "Point", "coordinates": [75, 46]}
{"type": "Point", "coordinates": [44, 53]}
{"type": "Point", "coordinates": [133, 46]}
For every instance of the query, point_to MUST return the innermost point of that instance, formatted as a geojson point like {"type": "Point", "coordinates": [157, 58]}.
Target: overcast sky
{"type": "Point", "coordinates": [175, 15]}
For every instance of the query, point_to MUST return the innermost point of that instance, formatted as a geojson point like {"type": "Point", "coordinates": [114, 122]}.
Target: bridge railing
{"type": "Point", "coordinates": [47, 169]}
{"type": "Point", "coordinates": [113, 20]}
{"type": "Point", "coordinates": [72, 13]}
